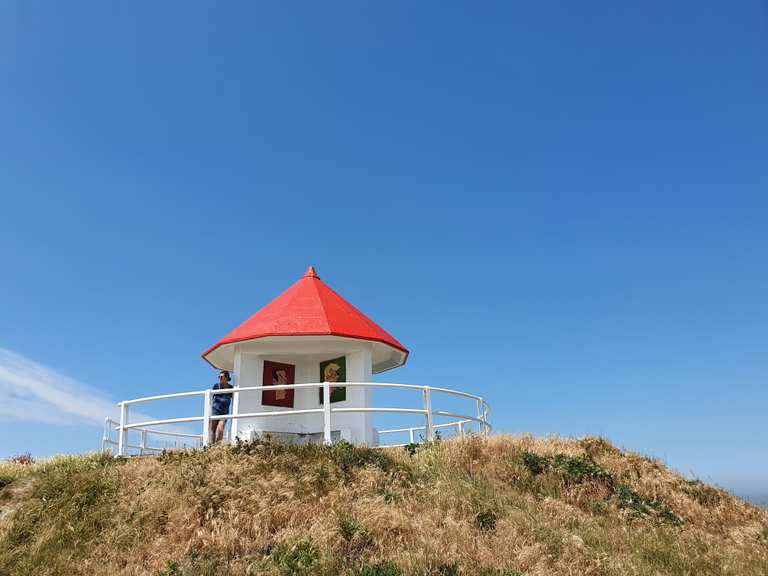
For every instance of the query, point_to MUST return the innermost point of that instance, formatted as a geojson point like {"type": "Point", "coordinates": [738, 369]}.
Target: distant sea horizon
{"type": "Point", "coordinates": [752, 488]}
{"type": "Point", "coordinates": [758, 498]}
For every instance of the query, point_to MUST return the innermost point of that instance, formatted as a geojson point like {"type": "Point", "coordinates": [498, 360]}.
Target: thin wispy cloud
{"type": "Point", "coordinates": [34, 392]}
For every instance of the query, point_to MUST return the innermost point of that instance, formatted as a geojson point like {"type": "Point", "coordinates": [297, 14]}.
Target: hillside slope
{"type": "Point", "coordinates": [502, 506]}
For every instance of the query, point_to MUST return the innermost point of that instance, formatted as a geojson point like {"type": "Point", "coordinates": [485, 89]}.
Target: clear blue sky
{"type": "Point", "coordinates": [562, 206]}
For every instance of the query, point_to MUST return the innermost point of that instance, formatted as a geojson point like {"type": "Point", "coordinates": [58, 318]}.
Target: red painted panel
{"type": "Point", "coordinates": [278, 373]}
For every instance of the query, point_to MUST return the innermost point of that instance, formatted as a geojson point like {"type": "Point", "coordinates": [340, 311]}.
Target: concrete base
{"type": "Point", "coordinates": [293, 438]}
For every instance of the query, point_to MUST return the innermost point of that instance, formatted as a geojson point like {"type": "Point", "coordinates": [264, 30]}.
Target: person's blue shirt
{"type": "Point", "coordinates": [221, 402]}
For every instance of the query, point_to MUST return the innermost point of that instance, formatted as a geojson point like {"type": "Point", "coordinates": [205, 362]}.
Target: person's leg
{"type": "Point", "coordinates": [213, 428]}
{"type": "Point", "coordinates": [220, 430]}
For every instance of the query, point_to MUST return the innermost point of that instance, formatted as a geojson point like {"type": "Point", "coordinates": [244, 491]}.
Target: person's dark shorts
{"type": "Point", "coordinates": [220, 409]}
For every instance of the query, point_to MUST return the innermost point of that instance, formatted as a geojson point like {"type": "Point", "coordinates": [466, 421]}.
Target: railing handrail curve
{"type": "Point", "coordinates": [461, 420]}
{"type": "Point", "coordinates": [275, 387]}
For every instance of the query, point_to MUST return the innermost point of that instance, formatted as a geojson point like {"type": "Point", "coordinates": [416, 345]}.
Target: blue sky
{"type": "Point", "coordinates": [561, 206]}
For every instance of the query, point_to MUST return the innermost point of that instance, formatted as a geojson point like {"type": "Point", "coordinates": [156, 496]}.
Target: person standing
{"type": "Point", "coordinates": [220, 405]}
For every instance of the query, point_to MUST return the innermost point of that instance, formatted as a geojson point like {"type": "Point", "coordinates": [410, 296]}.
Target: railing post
{"type": "Point", "coordinates": [207, 418]}
{"type": "Point", "coordinates": [106, 436]}
{"type": "Point", "coordinates": [143, 443]}
{"type": "Point", "coordinates": [461, 429]}
{"type": "Point", "coordinates": [411, 437]}
{"type": "Point", "coordinates": [234, 425]}
{"type": "Point", "coordinates": [480, 416]}
{"type": "Point", "coordinates": [428, 407]}
{"type": "Point", "coordinates": [122, 442]}
{"type": "Point", "coordinates": [326, 413]}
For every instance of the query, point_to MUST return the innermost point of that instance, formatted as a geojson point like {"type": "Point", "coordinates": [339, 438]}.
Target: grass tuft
{"type": "Point", "coordinates": [707, 496]}
{"type": "Point", "coordinates": [486, 520]}
{"type": "Point", "coordinates": [301, 559]}
{"type": "Point", "coordinates": [355, 534]}
{"type": "Point", "coordinates": [349, 457]}
{"type": "Point", "coordinates": [381, 569]}
{"type": "Point", "coordinates": [171, 569]}
{"type": "Point", "coordinates": [446, 570]}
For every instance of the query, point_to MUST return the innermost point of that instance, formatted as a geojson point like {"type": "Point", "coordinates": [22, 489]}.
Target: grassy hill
{"type": "Point", "coordinates": [502, 506]}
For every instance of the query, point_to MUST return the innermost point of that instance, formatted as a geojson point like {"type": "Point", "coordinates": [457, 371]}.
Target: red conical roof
{"type": "Point", "coordinates": [308, 308]}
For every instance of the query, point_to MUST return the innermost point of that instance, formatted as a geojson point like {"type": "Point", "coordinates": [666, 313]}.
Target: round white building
{"type": "Point", "coordinates": [307, 334]}
{"type": "Point", "coordinates": [302, 368]}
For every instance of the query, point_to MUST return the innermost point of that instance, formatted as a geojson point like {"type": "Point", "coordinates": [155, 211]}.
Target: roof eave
{"type": "Point", "coordinates": [226, 342]}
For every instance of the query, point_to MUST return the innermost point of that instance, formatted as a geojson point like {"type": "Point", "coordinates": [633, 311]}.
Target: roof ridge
{"type": "Point", "coordinates": [316, 281]}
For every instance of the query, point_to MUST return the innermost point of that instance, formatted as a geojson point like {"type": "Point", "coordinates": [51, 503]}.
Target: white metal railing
{"type": "Point", "coordinates": [460, 422]}
{"type": "Point", "coordinates": [180, 439]}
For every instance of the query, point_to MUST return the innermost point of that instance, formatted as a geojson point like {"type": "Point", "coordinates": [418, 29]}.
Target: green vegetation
{"type": "Point", "coordinates": [707, 496]}
{"type": "Point", "coordinates": [6, 480]}
{"type": "Point", "coordinates": [301, 559]}
{"type": "Point", "coordinates": [351, 530]}
{"type": "Point", "coordinates": [486, 520]}
{"type": "Point", "coordinates": [505, 506]}
{"type": "Point", "coordinates": [384, 569]}
{"type": "Point", "coordinates": [574, 469]}
{"type": "Point", "coordinates": [579, 469]}
{"type": "Point", "coordinates": [631, 500]}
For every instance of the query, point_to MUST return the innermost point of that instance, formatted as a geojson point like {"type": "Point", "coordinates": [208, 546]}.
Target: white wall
{"type": "Point", "coordinates": [305, 353]}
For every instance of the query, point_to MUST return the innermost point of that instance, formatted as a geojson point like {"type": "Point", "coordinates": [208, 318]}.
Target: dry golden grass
{"type": "Point", "coordinates": [502, 506]}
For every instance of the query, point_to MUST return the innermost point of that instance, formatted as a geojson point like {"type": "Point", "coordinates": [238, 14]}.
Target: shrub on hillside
{"type": "Point", "coordinates": [578, 469]}
{"type": "Point", "coordinates": [24, 459]}
{"type": "Point", "coordinates": [536, 464]}
{"type": "Point", "coordinates": [631, 500]}
{"type": "Point", "coordinates": [575, 470]}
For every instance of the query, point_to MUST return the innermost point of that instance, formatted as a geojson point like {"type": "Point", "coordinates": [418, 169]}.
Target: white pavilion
{"type": "Point", "coordinates": [302, 369]}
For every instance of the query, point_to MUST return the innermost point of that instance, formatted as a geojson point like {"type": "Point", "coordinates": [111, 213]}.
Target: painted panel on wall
{"type": "Point", "coordinates": [278, 373]}
{"type": "Point", "coordinates": [334, 370]}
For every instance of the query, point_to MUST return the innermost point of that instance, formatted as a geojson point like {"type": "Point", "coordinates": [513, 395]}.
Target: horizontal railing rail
{"type": "Point", "coordinates": [111, 425]}
{"type": "Point", "coordinates": [460, 422]}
